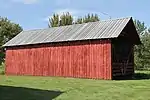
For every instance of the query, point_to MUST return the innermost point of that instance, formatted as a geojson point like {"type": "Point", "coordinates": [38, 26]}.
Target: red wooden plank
{"type": "Point", "coordinates": [77, 59]}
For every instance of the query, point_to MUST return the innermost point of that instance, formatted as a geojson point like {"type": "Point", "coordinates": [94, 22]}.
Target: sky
{"type": "Point", "coordinates": [34, 14]}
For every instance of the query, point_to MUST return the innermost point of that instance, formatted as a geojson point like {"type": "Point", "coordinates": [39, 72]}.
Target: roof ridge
{"type": "Point", "coordinates": [82, 23]}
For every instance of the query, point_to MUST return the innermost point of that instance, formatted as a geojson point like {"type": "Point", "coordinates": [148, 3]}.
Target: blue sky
{"type": "Point", "coordinates": [33, 14]}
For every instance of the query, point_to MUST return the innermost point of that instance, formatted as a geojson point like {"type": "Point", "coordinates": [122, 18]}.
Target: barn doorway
{"type": "Point", "coordinates": [122, 58]}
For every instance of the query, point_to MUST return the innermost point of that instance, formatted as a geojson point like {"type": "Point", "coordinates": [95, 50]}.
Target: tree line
{"type": "Point", "coordinates": [142, 52]}
{"type": "Point", "coordinates": [67, 19]}
{"type": "Point", "coordinates": [9, 29]}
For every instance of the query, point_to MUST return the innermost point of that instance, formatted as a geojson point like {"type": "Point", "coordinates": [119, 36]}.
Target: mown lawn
{"type": "Point", "coordinates": [56, 88]}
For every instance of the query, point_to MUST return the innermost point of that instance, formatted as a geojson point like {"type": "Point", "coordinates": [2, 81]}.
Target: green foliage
{"type": "Point", "coordinates": [88, 18]}
{"type": "Point", "coordinates": [142, 55]}
{"type": "Point", "coordinates": [142, 52]}
{"type": "Point", "coordinates": [57, 20]}
{"type": "Point", "coordinates": [79, 21]}
{"type": "Point", "coordinates": [54, 21]}
{"type": "Point", "coordinates": [67, 19]}
{"type": "Point", "coordinates": [2, 55]}
{"type": "Point", "coordinates": [139, 74]}
{"type": "Point", "coordinates": [8, 30]}
{"type": "Point", "coordinates": [140, 27]}
{"type": "Point", "coordinates": [2, 68]}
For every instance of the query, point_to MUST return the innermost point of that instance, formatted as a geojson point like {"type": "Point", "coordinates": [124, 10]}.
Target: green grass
{"type": "Point", "coordinates": [2, 69]}
{"type": "Point", "coordinates": [56, 88]}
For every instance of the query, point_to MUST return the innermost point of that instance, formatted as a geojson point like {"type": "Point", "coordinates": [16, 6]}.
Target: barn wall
{"type": "Point", "coordinates": [84, 59]}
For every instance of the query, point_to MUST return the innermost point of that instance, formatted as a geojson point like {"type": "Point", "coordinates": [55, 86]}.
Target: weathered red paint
{"type": "Point", "coordinates": [82, 59]}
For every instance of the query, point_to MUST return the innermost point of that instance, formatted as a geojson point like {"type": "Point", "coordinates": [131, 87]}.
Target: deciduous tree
{"type": "Point", "coordinates": [8, 30]}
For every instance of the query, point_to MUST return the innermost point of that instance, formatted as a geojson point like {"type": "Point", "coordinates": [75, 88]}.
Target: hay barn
{"type": "Point", "coordinates": [97, 50]}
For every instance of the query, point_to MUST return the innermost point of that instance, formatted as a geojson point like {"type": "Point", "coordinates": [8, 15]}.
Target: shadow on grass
{"type": "Point", "coordinates": [21, 93]}
{"type": "Point", "coordinates": [140, 76]}
{"type": "Point", "coordinates": [136, 76]}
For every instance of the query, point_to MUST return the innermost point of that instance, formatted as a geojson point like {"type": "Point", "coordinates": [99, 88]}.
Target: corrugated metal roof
{"type": "Point", "coordinates": [91, 30]}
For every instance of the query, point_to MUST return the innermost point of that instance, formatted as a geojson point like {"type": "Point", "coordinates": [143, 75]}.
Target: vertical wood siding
{"type": "Point", "coordinates": [82, 59]}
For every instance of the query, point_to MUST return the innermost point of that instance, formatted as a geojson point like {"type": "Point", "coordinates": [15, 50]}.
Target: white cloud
{"type": "Point", "coordinates": [26, 1]}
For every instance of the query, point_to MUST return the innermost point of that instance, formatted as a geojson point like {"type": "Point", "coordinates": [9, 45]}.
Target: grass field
{"type": "Point", "coordinates": [56, 88]}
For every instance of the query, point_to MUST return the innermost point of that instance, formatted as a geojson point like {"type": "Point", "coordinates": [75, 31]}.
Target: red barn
{"type": "Point", "coordinates": [98, 50]}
